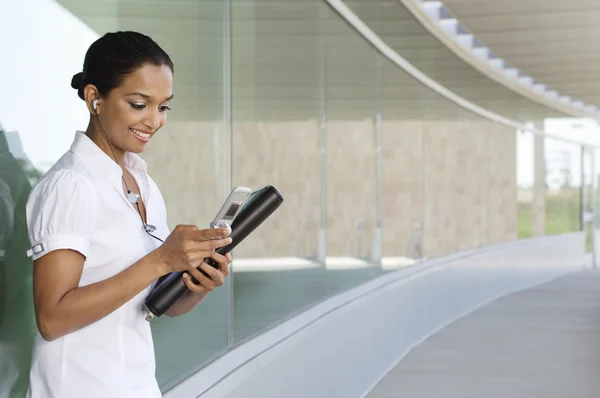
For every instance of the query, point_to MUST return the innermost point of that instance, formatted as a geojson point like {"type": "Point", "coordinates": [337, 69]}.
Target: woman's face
{"type": "Point", "coordinates": [134, 111]}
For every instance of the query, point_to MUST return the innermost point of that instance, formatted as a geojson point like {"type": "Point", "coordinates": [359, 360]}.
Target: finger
{"type": "Point", "coordinates": [195, 251]}
{"type": "Point", "coordinates": [220, 259]}
{"type": "Point", "coordinates": [198, 289]}
{"type": "Point", "coordinates": [210, 233]}
{"type": "Point", "coordinates": [182, 230]}
{"type": "Point", "coordinates": [206, 282]}
{"type": "Point", "coordinates": [215, 275]}
{"type": "Point", "coordinates": [210, 245]}
{"type": "Point", "coordinates": [225, 268]}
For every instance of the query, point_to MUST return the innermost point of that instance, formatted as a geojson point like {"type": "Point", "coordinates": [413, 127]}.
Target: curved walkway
{"type": "Point", "coordinates": [543, 342]}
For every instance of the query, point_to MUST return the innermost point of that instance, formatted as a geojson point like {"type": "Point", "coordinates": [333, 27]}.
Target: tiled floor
{"type": "Point", "coordinates": [543, 342]}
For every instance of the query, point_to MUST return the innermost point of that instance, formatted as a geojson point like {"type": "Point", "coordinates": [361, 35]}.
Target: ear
{"type": "Point", "coordinates": [91, 94]}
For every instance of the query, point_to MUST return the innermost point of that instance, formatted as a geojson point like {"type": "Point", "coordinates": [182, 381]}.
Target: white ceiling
{"type": "Point", "coordinates": [556, 42]}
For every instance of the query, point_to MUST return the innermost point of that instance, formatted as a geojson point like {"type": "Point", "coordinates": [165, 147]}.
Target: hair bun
{"type": "Point", "coordinates": [77, 80]}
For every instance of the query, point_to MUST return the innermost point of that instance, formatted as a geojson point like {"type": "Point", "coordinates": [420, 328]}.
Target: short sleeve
{"type": "Point", "coordinates": [61, 214]}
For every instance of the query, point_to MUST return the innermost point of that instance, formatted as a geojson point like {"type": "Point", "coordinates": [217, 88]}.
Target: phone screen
{"type": "Point", "coordinates": [232, 210]}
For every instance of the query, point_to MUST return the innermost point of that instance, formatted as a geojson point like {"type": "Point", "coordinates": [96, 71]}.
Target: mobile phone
{"type": "Point", "coordinates": [231, 207]}
{"type": "Point", "coordinates": [225, 216]}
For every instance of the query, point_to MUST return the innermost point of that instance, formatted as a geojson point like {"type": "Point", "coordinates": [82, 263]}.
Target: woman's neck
{"type": "Point", "coordinates": [100, 139]}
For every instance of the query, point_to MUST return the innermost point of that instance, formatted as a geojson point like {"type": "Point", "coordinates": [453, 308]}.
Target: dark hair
{"type": "Point", "coordinates": [111, 58]}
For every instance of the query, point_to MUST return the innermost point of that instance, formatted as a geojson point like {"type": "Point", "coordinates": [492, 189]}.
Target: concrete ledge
{"type": "Point", "coordinates": [344, 345]}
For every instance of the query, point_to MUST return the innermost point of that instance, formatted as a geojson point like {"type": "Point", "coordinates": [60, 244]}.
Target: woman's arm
{"type": "Point", "coordinates": [62, 307]}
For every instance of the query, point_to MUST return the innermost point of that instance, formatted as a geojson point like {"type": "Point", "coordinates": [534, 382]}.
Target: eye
{"type": "Point", "coordinates": [137, 106]}
{"type": "Point", "coordinates": [164, 108]}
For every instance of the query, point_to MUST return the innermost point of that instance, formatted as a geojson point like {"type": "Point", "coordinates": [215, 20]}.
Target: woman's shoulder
{"type": "Point", "coordinates": [67, 185]}
{"type": "Point", "coordinates": [64, 178]}
{"type": "Point", "coordinates": [62, 211]}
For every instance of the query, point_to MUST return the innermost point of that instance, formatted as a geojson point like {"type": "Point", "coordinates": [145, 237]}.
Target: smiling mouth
{"type": "Point", "coordinates": [144, 137]}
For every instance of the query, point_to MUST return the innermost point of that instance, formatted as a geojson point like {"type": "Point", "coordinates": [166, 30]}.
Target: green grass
{"type": "Point", "coordinates": [525, 220]}
{"type": "Point", "coordinates": [562, 214]}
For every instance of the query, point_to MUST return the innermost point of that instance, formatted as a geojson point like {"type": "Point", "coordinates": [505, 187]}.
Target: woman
{"type": "Point", "coordinates": [97, 223]}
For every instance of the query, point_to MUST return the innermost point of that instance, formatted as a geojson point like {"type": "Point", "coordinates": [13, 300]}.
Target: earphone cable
{"type": "Point", "coordinates": [125, 182]}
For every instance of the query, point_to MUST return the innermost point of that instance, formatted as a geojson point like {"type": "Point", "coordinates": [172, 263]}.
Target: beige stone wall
{"type": "Point", "coordinates": [189, 161]}
{"type": "Point", "coordinates": [287, 156]}
{"type": "Point", "coordinates": [454, 185]}
{"type": "Point", "coordinates": [402, 185]}
{"type": "Point", "coordinates": [502, 214]}
{"type": "Point", "coordinates": [454, 179]}
{"type": "Point", "coordinates": [351, 188]}
{"type": "Point", "coordinates": [538, 204]}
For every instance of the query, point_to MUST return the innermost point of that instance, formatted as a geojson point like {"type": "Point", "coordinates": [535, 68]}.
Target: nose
{"type": "Point", "coordinates": [153, 120]}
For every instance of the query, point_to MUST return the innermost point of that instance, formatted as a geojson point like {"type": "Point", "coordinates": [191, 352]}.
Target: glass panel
{"type": "Point", "coordinates": [277, 115]}
{"type": "Point", "coordinates": [446, 187]}
{"type": "Point", "coordinates": [563, 186]}
{"type": "Point", "coordinates": [587, 174]}
{"type": "Point", "coordinates": [189, 161]}
{"type": "Point", "coordinates": [470, 189]}
{"type": "Point", "coordinates": [501, 184]}
{"type": "Point", "coordinates": [403, 193]}
{"type": "Point", "coordinates": [17, 320]}
{"type": "Point", "coordinates": [395, 24]}
{"type": "Point", "coordinates": [28, 146]}
{"type": "Point", "coordinates": [188, 158]}
{"type": "Point", "coordinates": [352, 106]}
{"type": "Point", "coordinates": [596, 210]}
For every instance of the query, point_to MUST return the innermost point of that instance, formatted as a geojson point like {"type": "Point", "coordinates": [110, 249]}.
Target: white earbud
{"type": "Point", "coordinates": [95, 104]}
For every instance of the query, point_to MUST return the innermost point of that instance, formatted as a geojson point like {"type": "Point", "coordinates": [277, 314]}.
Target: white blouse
{"type": "Point", "coordinates": [79, 204]}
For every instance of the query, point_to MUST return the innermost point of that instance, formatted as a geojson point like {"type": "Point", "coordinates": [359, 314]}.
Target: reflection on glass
{"type": "Point", "coordinates": [352, 103]}
{"type": "Point", "coordinates": [314, 110]}
{"type": "Point", "coordinates": [395, 24]}
{"type": "Point", "coordinates": [403, 166]}
{"type": "Point", "coordinates": [188, 158]}
{"type": "Point", "coordinates": [17, 320]}
{"type": "Point", "coordinates": [277, 134]}
{"type": "Point", "coordinates": [563, 186]}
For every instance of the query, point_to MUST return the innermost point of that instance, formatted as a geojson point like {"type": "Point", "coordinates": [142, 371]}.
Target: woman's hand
{"type": "Point", "coordinates": [215, 278]}
{"type": "Point", "coordinates": [187, 247]}
{"type": "Point", "coordinates": [205, 284]}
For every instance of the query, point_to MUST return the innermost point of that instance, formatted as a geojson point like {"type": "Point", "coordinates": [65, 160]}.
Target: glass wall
{"type": "Point", "coordinates": [595, 238]}
{"type": "Point", "coordinates": [377, 171]}
{"type": "Point", "coordinates": [277, 139]}
{"type": "Point", "coordinates": [189, 158]}
{"type": "Point", "coordinates": [352, 106]}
